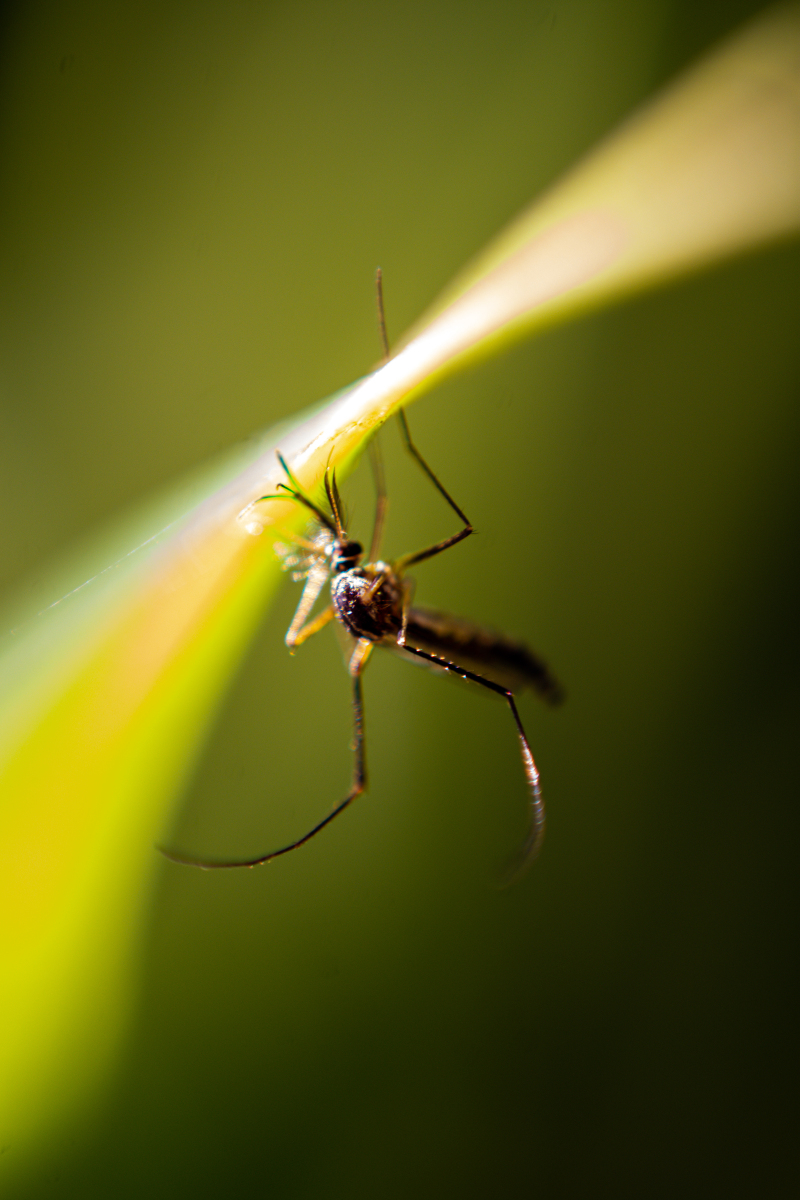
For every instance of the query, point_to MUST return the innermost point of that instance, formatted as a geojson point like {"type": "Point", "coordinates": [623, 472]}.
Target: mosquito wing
{"type": "Point", "coordinates": [506, 661]}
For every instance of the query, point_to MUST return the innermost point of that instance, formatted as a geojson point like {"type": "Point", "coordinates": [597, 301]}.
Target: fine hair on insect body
{"type": "Point", "coordinates": [371, 601]}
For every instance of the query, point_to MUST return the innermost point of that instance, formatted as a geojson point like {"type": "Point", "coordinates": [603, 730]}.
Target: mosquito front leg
{"type": "Point", "coordinates": [536, 820]}
{"type": "Point", "coordinates": [319, 622]}
{"type": "Point", "coordinates": [298, 631]}
{"type": "Point", "coordinates": [409, 559]}
{"type": "Point", "coordinates": [381, 502]}
{"type": "Point", "coordinates": [414, 452]}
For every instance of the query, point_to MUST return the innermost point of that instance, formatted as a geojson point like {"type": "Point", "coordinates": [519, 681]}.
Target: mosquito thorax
{"type": "Point", "coordinates": [346, 556]}
{"type": "Point", "coordinates": [366, 610]}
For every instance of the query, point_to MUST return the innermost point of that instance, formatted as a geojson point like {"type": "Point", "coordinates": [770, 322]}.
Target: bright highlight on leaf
{"type": "Point", "coordinates": [106, 697]}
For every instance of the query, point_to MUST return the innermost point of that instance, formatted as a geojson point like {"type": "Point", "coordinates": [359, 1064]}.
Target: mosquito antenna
{"type": "Point", "coordinates": [381, 315]}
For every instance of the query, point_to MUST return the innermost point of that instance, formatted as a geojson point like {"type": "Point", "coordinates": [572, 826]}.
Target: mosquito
{"type": "Point", "coordinates": [371, 601]}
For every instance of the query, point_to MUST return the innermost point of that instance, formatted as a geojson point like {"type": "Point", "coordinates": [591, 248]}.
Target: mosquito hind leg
{"type": "Point", "coordinates": [536, 811]}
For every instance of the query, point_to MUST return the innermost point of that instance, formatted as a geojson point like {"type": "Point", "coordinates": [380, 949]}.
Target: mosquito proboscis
{"type": "Point", "coordinates": [372, 602]}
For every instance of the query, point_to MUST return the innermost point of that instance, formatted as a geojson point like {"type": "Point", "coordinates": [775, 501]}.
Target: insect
{"type": "Point", "coordinates": [372, 603]}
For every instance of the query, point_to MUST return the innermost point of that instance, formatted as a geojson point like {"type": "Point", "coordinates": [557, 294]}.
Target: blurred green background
{"type": "Point", "coordinates": [194, 197]}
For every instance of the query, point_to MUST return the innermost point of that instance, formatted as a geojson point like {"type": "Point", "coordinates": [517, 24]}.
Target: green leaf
{"type": "Point", "coordinates": [106, 695]}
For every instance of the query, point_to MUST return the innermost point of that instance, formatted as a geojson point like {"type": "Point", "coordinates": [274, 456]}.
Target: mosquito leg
{"type": "Point", "coordinates": [414, 452]}
{"type": "Point", "coordinates": [360, 657]}
{"type": "Point", "coordinates": [382, 334]}
{"type": "Point", "coordinates": [408, 596]}
{"type": "Point", "coordinates": [295, 539]}
{"type": "Point", "coordinates": [536, 825]}
{"type": "Point", "coordinates": [410, 559]}
{"type": "Point", "coordinates": [412, 449]}
{"type": "Point", "coordinates": [312, 627]}
{"type": "Point", "coordinates": [381, 500]}
{"type": "Point", "coordinates": [374, 449]}
{"type": "Point", "coordinates": [357, 664]}
{"type": "Point", "coordinates": [317, 578]}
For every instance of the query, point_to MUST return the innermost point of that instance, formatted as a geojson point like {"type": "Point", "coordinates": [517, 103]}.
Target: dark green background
{"type": "Point", "coordinates": [194, 198]}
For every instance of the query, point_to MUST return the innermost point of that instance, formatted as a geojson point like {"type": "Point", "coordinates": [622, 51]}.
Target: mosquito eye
{"type": "Point", "coordinates": [352, 550]}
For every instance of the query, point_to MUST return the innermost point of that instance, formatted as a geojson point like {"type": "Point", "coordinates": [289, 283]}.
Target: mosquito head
{"type": "Point", "coordinates": [346, 556]}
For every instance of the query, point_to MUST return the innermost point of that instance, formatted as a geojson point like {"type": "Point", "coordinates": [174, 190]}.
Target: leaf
{"type": "Point", "coordinates": [106, 695]}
